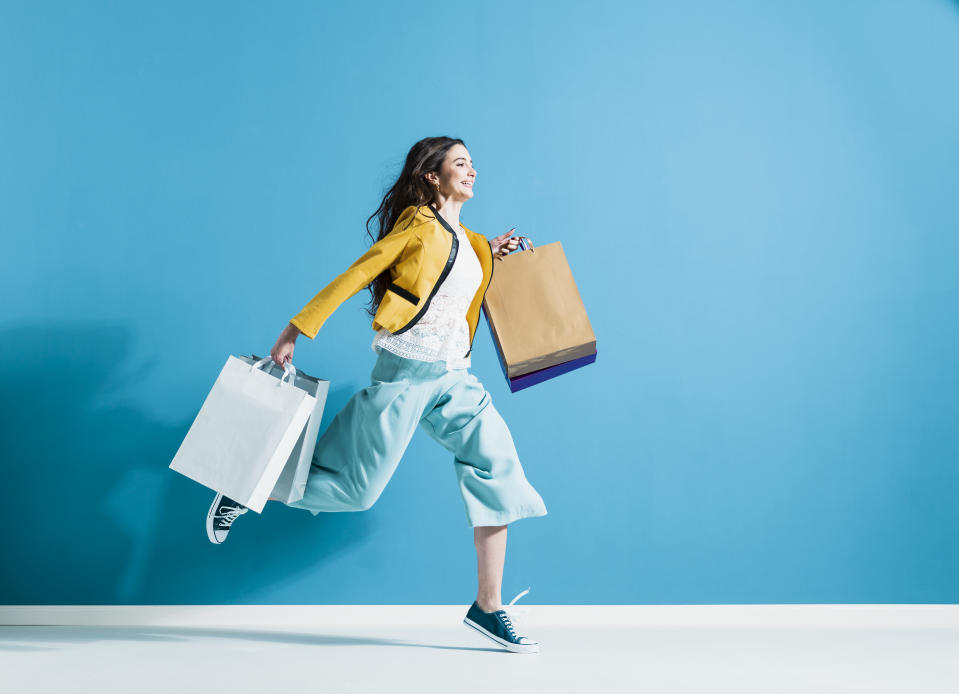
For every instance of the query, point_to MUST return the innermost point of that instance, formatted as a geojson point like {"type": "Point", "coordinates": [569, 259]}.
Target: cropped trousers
{"type": "Point", "coordinates": [358, 453]}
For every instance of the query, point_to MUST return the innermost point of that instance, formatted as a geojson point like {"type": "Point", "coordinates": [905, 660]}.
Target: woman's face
{"type": "Point", "coordinates": [457, 174]}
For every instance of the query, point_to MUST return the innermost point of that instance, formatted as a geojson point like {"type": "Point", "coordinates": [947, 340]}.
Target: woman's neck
{"type": "Point", "coordinates": [450, 211]}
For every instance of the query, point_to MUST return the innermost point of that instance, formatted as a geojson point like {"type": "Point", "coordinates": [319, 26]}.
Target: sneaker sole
{"type": "Point", "coordinates": [509, 645]}
{"type": "Point", "coordinates": [211, 535]}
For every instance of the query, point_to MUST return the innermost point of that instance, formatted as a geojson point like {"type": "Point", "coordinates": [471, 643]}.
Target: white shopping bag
{"type": "Point", "coordinates": [246, 431]}
{"type": "Point", "coordinates": [292, 481]}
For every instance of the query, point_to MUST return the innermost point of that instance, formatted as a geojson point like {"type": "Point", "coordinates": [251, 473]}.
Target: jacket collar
{"type": "Point", "coordinates": [421, 215]}
{"type": "Point", "coordinates": [426, 214]}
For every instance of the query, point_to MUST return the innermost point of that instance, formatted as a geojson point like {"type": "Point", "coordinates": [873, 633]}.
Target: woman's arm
{"type": "Point", "coordinates": [380, 256]}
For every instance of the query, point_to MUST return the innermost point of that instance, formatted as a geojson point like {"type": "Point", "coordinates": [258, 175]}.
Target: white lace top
{"type": "Point", "coordinates": [442, 333]}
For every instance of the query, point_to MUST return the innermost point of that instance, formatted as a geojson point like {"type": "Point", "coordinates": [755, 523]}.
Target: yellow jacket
{"type": "Point", "coordinates": [419, 257]}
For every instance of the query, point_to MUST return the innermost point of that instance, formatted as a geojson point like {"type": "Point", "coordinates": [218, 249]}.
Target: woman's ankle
{"type": "Point", "coordinates": [488, 606]}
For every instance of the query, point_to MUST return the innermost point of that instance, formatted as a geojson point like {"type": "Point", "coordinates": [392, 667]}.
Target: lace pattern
{"type": "Point", "coordinates": [442, 333]}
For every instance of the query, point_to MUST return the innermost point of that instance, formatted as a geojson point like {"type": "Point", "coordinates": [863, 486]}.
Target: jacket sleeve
{"type": "Point", "coordinates": [380, 256]}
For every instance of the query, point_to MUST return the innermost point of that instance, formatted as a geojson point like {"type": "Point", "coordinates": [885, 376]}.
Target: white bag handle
{"type": "Point", "coordinates": [291, 371]}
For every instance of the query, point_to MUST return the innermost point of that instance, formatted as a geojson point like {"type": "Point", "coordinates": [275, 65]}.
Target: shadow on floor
{"type": "Point", "coordinates": [38, 638]}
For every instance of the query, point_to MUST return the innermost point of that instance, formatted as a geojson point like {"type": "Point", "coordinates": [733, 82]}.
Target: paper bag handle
{"type": "Point", "coordinates": [291, 371]}
{"type": "Point", "coordinates": [525, 241]}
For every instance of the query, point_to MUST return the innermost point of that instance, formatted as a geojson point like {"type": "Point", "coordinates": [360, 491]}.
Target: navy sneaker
{"type": "Point", "coordinates": [499, 627]}
{"type": "Point", "coordinates": [219, 520]}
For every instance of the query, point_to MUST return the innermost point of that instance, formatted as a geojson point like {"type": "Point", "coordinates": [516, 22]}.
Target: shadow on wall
{"type": "Point", "coordinates": [94, 515]}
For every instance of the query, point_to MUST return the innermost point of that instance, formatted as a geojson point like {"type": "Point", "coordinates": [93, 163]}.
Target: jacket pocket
{"type": "Point", "coordinates": [409, 296]}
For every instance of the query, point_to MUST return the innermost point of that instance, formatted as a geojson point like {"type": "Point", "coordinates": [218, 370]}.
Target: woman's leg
{"type": "Point", "coordinates": [358, 453]}
{"type": "Point", "coordinates": [492, 482]}
{"type": "Point", "coordinates": [490, 541]}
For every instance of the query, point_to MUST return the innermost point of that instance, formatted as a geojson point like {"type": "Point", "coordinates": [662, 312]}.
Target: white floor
{"type": "Point", "coordinates": [668, 650]}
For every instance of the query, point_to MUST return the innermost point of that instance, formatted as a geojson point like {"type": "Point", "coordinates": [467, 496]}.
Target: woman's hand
{"type": "Point", "coordinates": [283, 349]}
{"type": "Point", "coordinates": [505, 244]}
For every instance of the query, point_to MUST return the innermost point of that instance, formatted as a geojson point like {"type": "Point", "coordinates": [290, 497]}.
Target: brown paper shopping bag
{"type": "Point", "coordinates": [537, 316]}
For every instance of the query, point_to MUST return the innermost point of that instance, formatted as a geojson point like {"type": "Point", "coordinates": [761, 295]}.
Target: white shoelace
{"type": "Point", "coordinates": [228, 514]}
{"type": "Point", "coordinates": [512, 612]}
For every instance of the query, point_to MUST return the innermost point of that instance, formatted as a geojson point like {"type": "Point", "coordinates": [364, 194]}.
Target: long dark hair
{"type": "Point", "coordinates": [411, 188]}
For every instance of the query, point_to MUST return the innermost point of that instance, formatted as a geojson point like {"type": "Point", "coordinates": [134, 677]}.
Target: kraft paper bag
{"type": "Point", "coordinates": [244, 436]}
{"type": "Point", "coordinates": [518, 383]}
{"type": "Point", "coordinates": [536, 315]}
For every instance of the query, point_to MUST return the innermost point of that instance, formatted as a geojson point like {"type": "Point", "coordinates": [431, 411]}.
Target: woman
{"type": "Point", "coordinates": [427, 275]}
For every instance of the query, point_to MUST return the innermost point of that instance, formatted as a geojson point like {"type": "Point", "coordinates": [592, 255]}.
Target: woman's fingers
{"type": "Point", "coordinates": [281, 355]}
{"type": "Point", "coordinates": [507, 246]}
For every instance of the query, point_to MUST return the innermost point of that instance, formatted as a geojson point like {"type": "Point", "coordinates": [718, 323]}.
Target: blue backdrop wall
{"type": "Point", "coordinates": [758, 202]}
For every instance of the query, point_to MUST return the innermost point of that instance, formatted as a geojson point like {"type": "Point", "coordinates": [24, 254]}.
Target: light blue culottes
{"type": "Point", "coordinates": [358, 453]}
